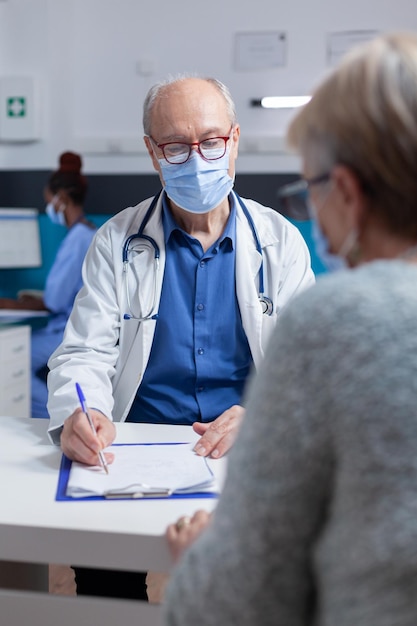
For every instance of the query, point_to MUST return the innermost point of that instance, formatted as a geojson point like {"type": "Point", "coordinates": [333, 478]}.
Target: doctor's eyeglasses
{"type": "Point", "coordinates": [294, 197]}
{"type": "Point", "coordinates": [210, 149]}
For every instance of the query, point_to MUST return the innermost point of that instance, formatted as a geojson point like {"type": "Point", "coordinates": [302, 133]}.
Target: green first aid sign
{"type": "Point", "coordinates": [16, 107]}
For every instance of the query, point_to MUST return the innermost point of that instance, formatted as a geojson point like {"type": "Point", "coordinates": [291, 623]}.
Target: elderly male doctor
{"type": "Point", "coordinates": [173, 315]}
{"type": "Point", "coordinates": [169, 324]}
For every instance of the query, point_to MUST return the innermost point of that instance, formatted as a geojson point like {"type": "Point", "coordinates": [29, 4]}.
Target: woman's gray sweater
{"type": "Point", "coordinates": [317, 523]}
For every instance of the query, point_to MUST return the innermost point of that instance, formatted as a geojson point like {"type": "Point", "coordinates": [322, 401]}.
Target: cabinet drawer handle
{"type": "Point", "coordinates": [18, 373]}
{"type": "Point", "coordinates": [18, 398]}
{"type": "Point", "coordinates": [18, 349]}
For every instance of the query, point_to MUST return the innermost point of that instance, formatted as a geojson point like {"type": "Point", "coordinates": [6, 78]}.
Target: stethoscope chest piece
{"type": "Point", "coordinates": [266, 304]}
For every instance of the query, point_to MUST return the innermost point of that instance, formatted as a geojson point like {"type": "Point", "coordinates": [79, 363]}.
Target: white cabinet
{"type": "Point", "coordinates": [15, 371]}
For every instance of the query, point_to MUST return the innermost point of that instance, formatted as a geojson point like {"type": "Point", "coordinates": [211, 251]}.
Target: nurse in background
{"type": "Point", "coordinates": [64, 194]}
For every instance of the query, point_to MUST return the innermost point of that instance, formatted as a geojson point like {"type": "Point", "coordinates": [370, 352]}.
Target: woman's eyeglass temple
{"type": "Point", "coordinates": [293, 197]}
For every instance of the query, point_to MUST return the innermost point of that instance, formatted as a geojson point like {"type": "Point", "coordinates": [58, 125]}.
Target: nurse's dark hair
{"type": "Point", "coordinates": [68, 178]}
{"type": "Point", "coordinates": [158, 89]}
{"type": "Point", "coordinates": [364, 116]}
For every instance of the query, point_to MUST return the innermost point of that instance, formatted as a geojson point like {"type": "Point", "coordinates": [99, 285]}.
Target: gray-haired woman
{"type": "Point", "coordinates": [317, 520]}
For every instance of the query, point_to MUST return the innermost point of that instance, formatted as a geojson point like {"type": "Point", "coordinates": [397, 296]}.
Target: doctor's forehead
{"type": "Point", "coordinates": [190, 103]}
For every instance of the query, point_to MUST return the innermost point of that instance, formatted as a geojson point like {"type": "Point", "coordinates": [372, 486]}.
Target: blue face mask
{"type": "Point", "coordinates": [332, 262]}
{"type": "Point", "coordinates": [197, 186]}
{"type": "Point", "coordinates": [54, 216]}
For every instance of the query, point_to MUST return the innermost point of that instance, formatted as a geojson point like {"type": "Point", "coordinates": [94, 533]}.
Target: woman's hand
{"type": "Point", "coordinates": [185, 531]}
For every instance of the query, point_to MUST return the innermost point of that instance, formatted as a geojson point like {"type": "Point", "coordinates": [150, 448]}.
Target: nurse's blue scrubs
{"type": "Point", "coordinates": [62, 285]}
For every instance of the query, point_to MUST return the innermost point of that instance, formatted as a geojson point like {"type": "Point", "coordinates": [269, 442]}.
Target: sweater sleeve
{"type": "Point", "coordinates": [253, 565]}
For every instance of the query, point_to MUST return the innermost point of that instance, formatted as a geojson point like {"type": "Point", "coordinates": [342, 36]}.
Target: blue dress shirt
{"type": "Point", "coordinates": [200, 357]}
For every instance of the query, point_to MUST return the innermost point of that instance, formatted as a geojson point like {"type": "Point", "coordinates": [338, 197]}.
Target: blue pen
{"type": "Point", "coordinates": [90, 421]}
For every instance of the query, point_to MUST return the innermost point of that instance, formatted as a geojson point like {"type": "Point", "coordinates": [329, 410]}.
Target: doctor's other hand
{"type": "Point", "coordinates": [185, 531]}
{"type": "Point", "coordinates": [79, 443]}
{"type": "Point", "coordinates": [219, 436]}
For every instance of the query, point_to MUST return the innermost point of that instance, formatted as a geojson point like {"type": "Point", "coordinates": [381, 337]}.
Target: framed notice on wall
{"type": "Point", "coordinates": [260, 50]}
{"type": "Point", "coordinates": [338, 44]}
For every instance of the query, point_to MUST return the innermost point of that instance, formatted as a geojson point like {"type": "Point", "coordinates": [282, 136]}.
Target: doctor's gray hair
{"type": "Point", "coordinates": [158, 89]}
{"type": "Point", "coordinates": [364, 116]}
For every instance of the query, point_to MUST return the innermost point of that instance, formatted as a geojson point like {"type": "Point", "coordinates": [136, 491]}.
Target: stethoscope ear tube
{"type": "Point", "coordinates": [266, 303]}
{"type": "Point", "coordinates": [151, 315]}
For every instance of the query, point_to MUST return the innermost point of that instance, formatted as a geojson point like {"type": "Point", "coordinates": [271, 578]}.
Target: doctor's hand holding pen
{"type": "Point", "coordinates": [80, 443]}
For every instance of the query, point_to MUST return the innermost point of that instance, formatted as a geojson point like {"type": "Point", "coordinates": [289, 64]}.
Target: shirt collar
{"type": "Point", "coordinates": [170, 225]}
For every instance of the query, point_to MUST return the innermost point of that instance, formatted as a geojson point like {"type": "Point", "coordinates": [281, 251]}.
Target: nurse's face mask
{"type": "Point", "coordinates": [56, 217]}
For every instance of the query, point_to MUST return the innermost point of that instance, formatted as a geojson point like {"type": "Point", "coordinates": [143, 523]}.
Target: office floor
{"type": "Point", "coordinates": [61, 582]}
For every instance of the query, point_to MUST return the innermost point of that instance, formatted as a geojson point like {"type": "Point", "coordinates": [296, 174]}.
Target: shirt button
{"type": "Point", "coordinates": [202, 263]}
{"type": "Point", "coordinates": [200, 351]}
{"type": "Point", "coordinates": [200, 307]}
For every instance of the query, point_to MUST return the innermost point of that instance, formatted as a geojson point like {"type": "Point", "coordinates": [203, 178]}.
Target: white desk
{"type": "Point", "coordinates": [34, 528]}
{"type": "Point", "coordinates": [11, 316]}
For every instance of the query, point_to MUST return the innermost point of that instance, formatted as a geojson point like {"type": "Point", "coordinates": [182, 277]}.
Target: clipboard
{"type": "Point", "coordinates": [64, 475]}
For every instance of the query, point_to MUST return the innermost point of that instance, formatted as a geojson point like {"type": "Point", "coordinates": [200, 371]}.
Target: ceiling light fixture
{"type": "Point", "coordinates": [281, 102]}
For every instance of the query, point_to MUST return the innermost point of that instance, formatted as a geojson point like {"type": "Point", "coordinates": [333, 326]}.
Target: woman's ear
{"type": "Point", "coordinates": [351, 195]}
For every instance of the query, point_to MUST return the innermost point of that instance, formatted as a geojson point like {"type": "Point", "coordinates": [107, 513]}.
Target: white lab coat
{"type": "Point", "coordinates": [108, 355]}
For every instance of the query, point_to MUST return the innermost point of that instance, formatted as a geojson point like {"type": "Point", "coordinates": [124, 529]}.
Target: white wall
{"type": "Point", "coordinates": [84, 54]}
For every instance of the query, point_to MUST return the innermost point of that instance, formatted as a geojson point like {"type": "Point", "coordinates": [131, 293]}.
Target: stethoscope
{"type": "Point", "coordinates": [266, 303]}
